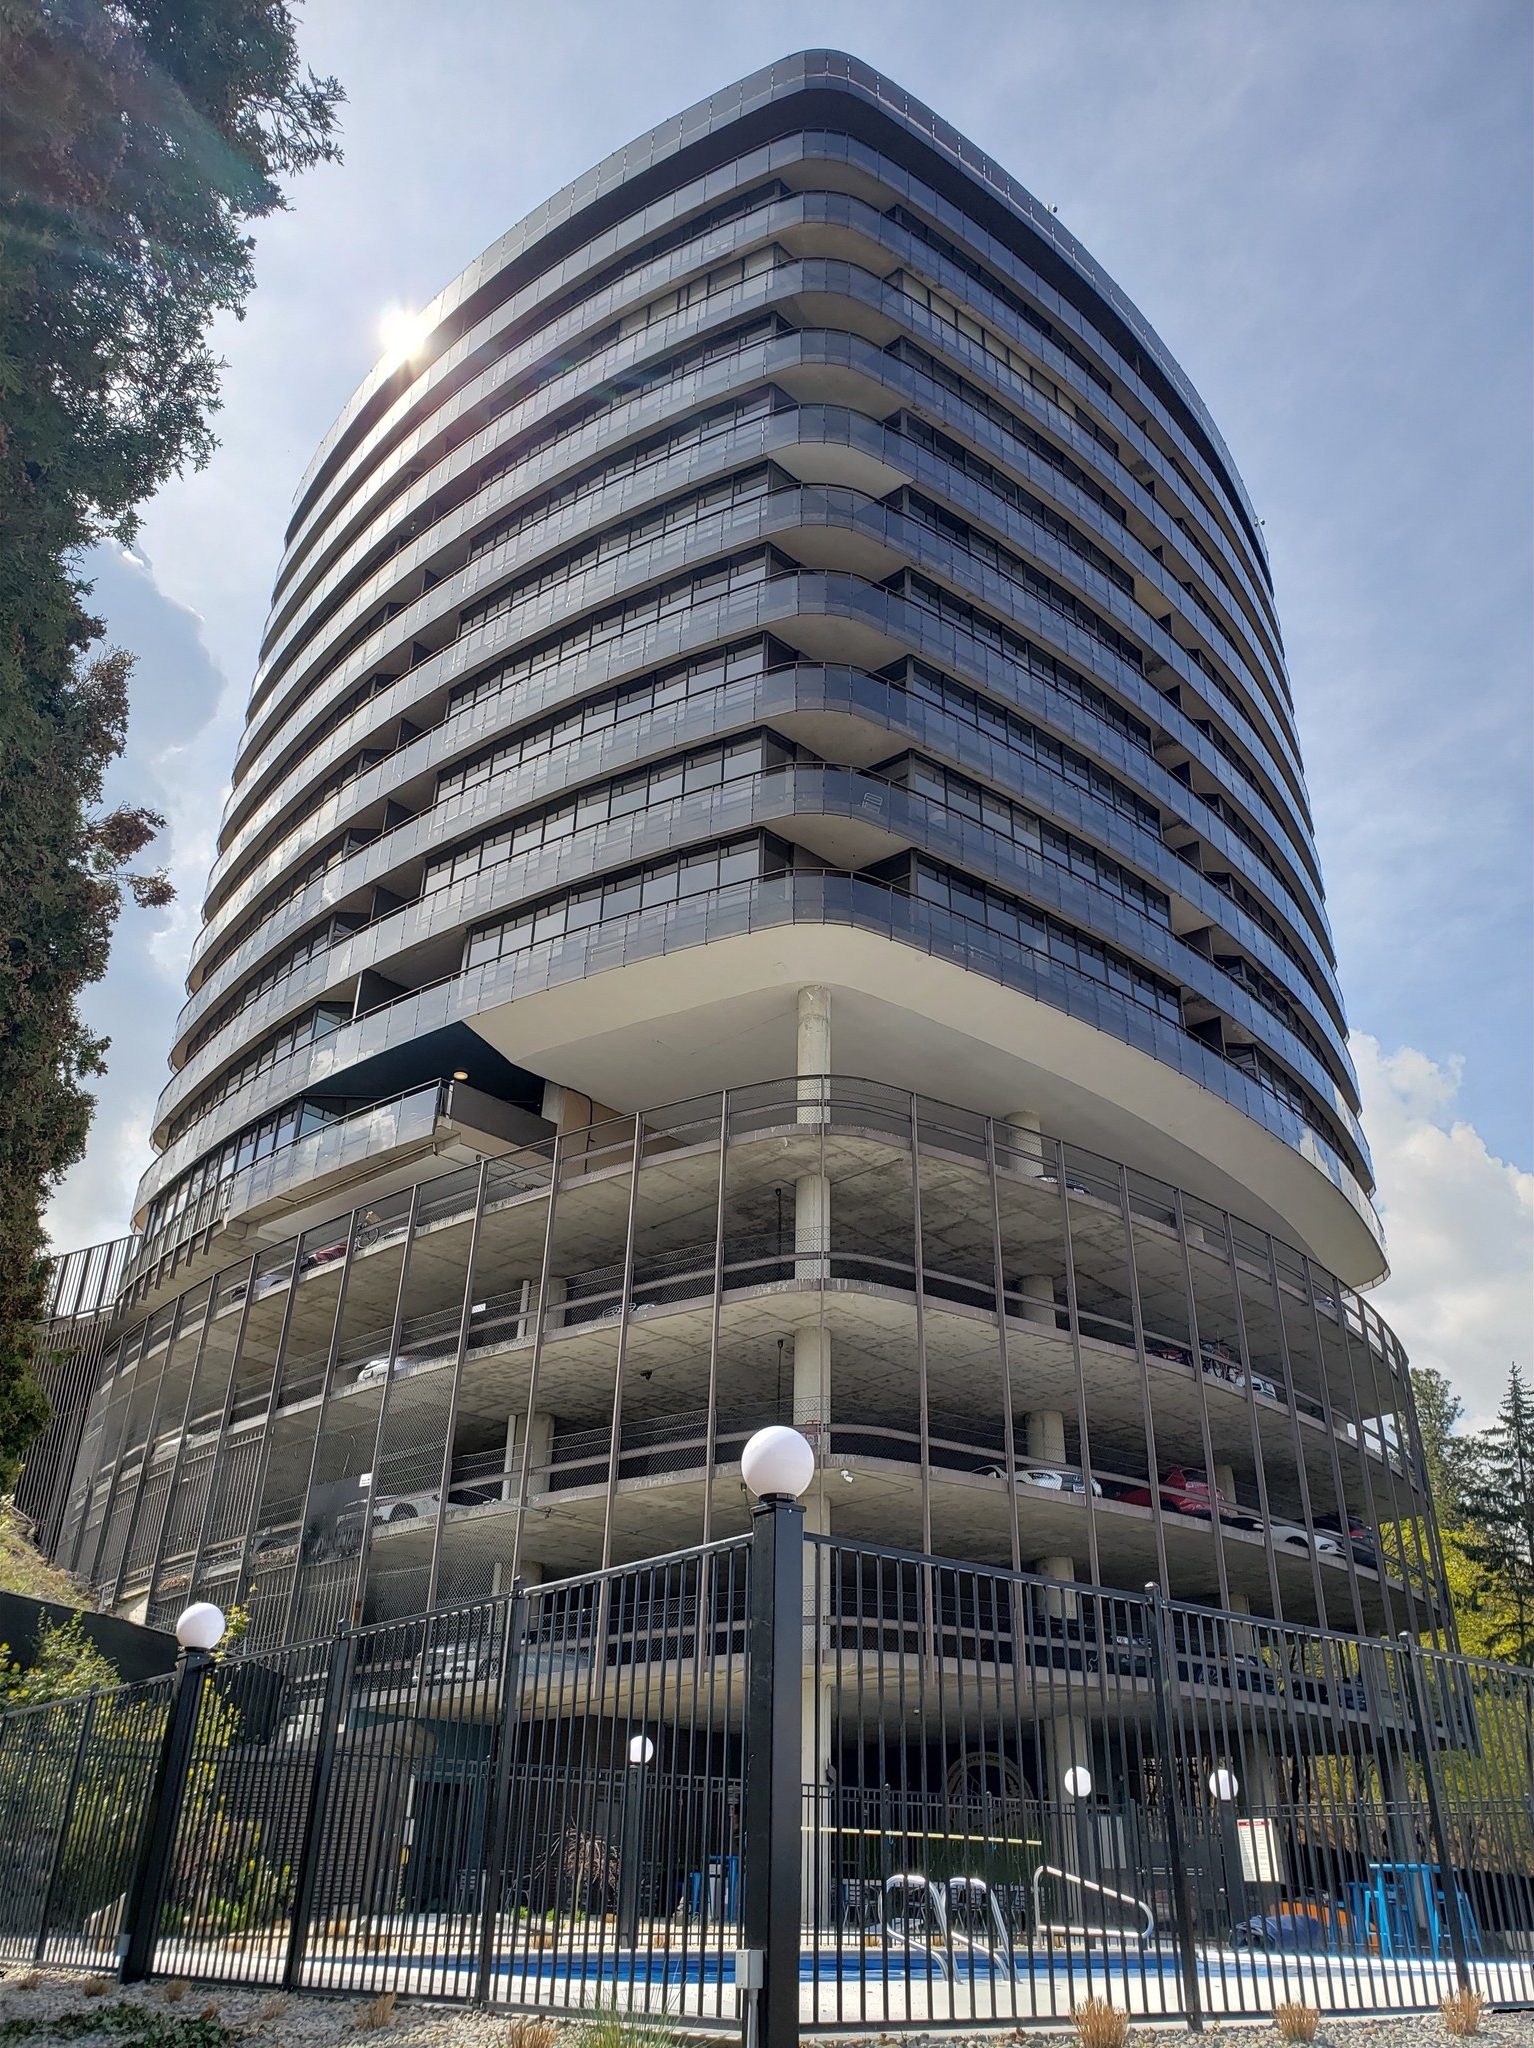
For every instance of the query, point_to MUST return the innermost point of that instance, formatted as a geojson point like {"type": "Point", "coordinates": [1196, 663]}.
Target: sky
{"type": "Point", "coordinates": [1323, 207]}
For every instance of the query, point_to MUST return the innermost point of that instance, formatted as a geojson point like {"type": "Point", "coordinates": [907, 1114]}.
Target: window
{"type": "Point", "coordinates": [666, 782]}
{"type": "Point", "coordinates": [702, 870]}
{"type": "Point", "coordinates": [1016, 648]}
{"type": "Point", "coordinates": [981, 548]}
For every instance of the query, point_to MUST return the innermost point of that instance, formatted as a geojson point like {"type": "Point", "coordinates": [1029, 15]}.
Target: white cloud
{"type": "Point", "coordinates": [96, 1198]}
{"type": "Point", "coordinates": [1460, 1224]}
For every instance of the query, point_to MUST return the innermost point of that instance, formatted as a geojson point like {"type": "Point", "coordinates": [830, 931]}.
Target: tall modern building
{"type": "Point", "coordinates": [768, 876]}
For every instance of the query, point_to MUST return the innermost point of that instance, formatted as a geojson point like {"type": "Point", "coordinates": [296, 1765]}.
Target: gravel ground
{"type": "Point", "coordinates": [262, 2017]}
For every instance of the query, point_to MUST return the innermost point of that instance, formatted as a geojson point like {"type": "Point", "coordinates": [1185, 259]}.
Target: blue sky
{"type": "Point", "coordinates": [1324, 206]}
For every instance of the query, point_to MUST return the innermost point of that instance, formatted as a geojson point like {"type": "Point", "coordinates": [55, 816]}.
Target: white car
{"type": "Point", "coordinates": [405, 1507]}
{"type": "Point", "coordinates": [1295, 1536]}
{"type": "Point", "coordinates": [1051, 1481]}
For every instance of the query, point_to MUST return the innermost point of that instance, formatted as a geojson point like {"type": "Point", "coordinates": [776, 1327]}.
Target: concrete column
{"type": "Point", "coordinates": [1038, 1291]}
{"type": "Point", "coordinates": [812, 1226]}
{"type": "Point", "coordinates": [538, 1428]}
{"type": "Point", "coordinates": [1027, 1151]}
{"type": "Point", "coordinates": [1225, 1480]}
{"type": "Point", "coordinates": [1065, 1745]}
{"type": "Point", "coordinates": [1044, 1435]}
{"type": "Point", "coordinates": [812, 1050]}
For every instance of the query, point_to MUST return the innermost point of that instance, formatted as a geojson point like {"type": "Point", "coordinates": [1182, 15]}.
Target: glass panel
{"type": "Point", "coordinates": [569, 1431]}
{"type": "Point", "coordinates": [966, 1394]}
{"type": "Point", "coordinates": [864, 1312]}
{"type": "Point", "coordinates": [663, 1423]}
{"type": "Point", "coordinates": [197, 1450]}
{"type": "Point", "coordinates": [289, 1449]}
{"type": "Point", "coordinates": [265, 1301]}
{"type": "Point", "coordinates": [169, 1420]}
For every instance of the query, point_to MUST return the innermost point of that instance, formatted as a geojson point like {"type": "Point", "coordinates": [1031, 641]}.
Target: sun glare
{"type": "Point", "coordinates": [401, 333]}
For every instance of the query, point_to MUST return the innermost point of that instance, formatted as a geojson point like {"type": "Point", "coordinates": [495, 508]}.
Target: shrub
{"type": "Point", "coordinates": [1100, 2025]}
{"type": "Point", "coordinates": [1462, 2012]}
{"type": "Point", "coordinates": [528, 2032]}
{"type": "Point", "coordinates": [377, 2013]}
{"type": "Point", "coordinates": [1296, 2022]}
{"type": "Point", "coordinates": [174, 1989]}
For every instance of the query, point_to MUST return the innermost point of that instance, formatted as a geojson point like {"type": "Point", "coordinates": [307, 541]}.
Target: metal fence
{"type": "Point", "coordinates": [825, 1783]}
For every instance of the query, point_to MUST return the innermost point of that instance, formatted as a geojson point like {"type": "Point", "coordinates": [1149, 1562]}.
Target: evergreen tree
{"type": "Point", "coordinates": [1497, 1495]}
{"type": "Point", "coordinates": [138, 138]}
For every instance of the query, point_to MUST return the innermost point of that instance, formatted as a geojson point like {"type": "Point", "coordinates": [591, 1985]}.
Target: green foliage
{"type": "Point", "coordinates": [141, 137]}
{"type": "Point", "coordinates": [24, 1569]}
{"type": "Point", "coordinates": [1484, 1604]}
{"type": "Point", "coordinates": [610, 2027]}
{"type": "Point", "coordinates": [225, 1885]}
{"type": "Point", "coordinates": [67, 1663]}
{"type": "Point", "coordinates": [1496, 1499]}
{"type": "Point", "coordinates": [139, 2025]}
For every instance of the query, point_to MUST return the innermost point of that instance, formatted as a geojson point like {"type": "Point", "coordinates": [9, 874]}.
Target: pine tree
{"type": "Point", "coordinates": [1497, 1493]}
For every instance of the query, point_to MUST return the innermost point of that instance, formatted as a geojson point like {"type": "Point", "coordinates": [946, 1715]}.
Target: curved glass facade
{"type": "Point", "coordinates": [549, 1361]}
{"type": "Point", "coordinates": [788, 582]}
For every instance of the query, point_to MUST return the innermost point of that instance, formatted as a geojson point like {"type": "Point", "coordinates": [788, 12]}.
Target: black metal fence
{"type": "Point", "coordinates": [840, 1784]}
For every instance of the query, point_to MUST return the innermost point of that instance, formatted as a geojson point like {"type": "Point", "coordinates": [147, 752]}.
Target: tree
{"type": "Point", "coordinates": [66, 1663]}
{"type": "Point", "coordinates": [1497, 1494]}
{"type": "Point", "coordinates": [140, 136]}
{"type": "Point", "coordinates": [1483, 1612]}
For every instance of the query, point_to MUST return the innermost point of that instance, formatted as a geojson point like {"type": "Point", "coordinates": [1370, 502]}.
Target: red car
{"type": "Point", "coordinates": [1184, 1491]}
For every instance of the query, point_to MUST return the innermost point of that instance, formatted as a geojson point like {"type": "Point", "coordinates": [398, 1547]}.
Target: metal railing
{"type": "Point", "coordinates": [795, 1782]}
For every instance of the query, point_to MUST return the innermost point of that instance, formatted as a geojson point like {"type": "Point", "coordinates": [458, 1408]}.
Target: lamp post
{"type": "Point", "coordinates": [631, 1835]}
{"type": "Point", "coordinates": [199, 1631]}
{"type": "Point", "coordinates": [1223, 1788]}
{"type": "Point", "coordinates": [776, 1465]}
{"type": "Point", "coordinates": [1078, 1790]}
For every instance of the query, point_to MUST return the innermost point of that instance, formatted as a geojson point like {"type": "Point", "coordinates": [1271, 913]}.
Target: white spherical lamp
{"type": "Point", "coordinates": [641, 1749]}
{"type": "Point", "coordinates": [777, 1463]}
{"type": "Point", "coordinates": [1078, 1782]}
{"type": "Point", "coordinates": [1223, 1783]}
{"type": "Point", "coordinates": [201, 1626]}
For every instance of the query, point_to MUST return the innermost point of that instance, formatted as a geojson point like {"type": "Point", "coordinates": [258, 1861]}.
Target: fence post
{"type": "Point", "coordinates": [773, 1795]}
{"type": "Point", "coordinates": [498, 1819]}
{"type": "Point", "coordinates": [1416, 1692]}
{"type": "Point", "coordinates": [61, 1839]}
{"type": "Point", "coordinates": [157, 1845]}
{"type": "Point", "coordinates": [1161, 1668]}
{"type": "Point", "coordinates": [338, 1678]}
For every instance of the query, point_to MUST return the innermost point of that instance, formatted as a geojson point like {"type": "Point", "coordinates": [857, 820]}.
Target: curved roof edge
{"type": "Point", "coordinates": [759, 95]}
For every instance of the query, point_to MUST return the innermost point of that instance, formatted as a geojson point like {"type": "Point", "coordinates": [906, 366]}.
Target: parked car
{"type": "Point", "coordinates": [1048, 1479]}
{"type": "Point", "coordinates": [405, 1507]}
{"type": "Point", "coordinates": [1184, 1491]}
{"type": "Point", "coordinates": [1228, 1674]}
{"type": "Point", "coordinates": [1295, 1536]}
{"type": "Point", "coordinates": [1363, 1539]}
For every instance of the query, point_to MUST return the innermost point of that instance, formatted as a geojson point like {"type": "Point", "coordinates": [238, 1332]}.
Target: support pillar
{"type": "Point", "coordinates": [812, 1044]}
{"type": "Point", "coordinates": [1027, 1145]}
{"type": "Point", "coordinates": [538, 1427]}
{"type": "Point", "coordinates": [1038, 1292]}
{"type": "Point", "coordinates": [1044, 1435]}
{"type": "Point", "coordinates": [1065, 1745]}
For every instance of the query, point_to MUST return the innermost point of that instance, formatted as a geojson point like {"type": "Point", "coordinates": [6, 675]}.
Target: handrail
{"type": "Point", "coordinates": [1106, 1891]}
